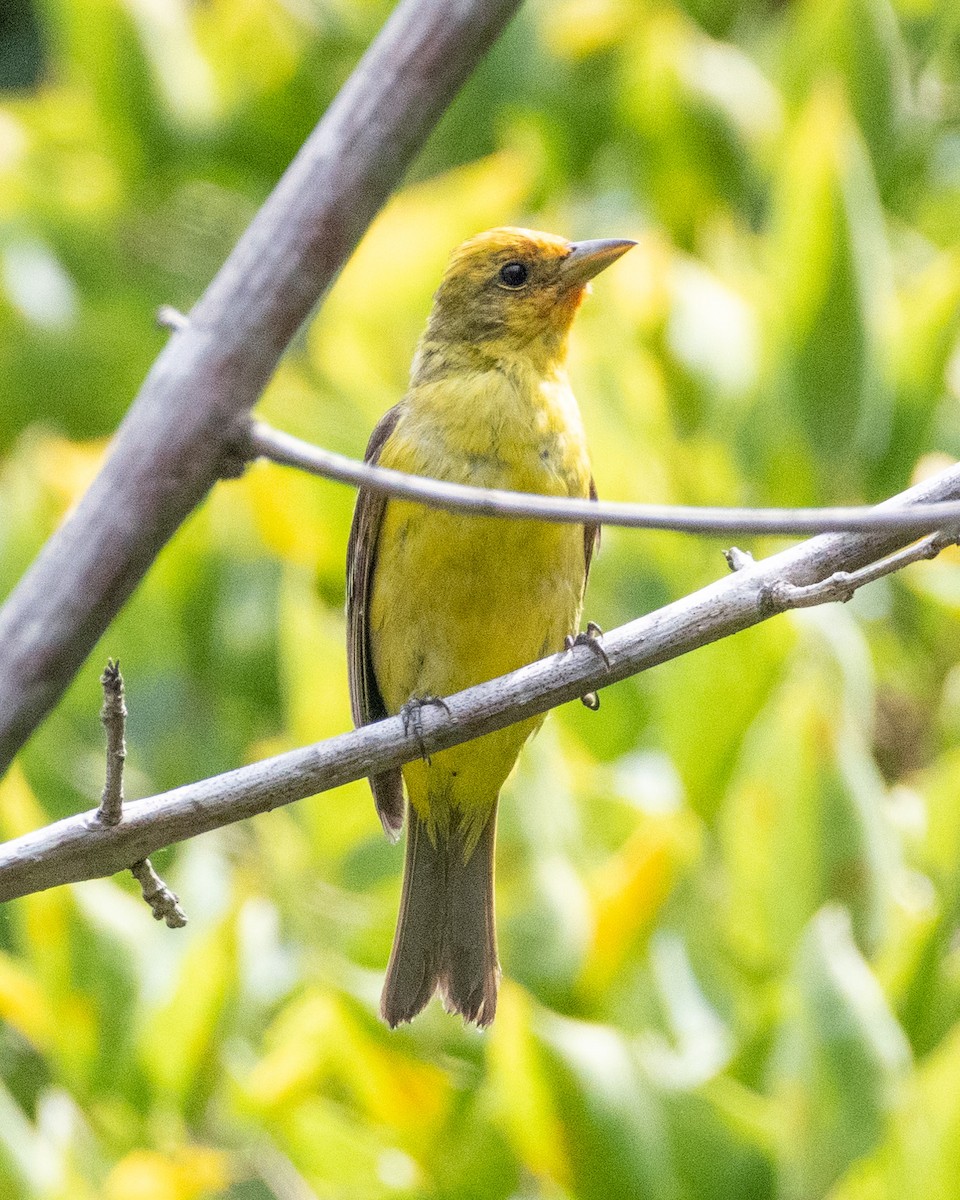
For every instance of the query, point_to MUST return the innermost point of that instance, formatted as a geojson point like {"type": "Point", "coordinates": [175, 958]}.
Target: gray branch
{"type": "Point", "coordinates": [261, 441]}
{"type": "Point", "coordinates": [81, 847]}
{"type": "Point", "coordinates": [174, 441]}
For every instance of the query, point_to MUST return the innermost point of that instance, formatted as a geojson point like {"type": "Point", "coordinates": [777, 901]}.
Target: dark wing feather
{"type": "Point", "coordinates": [591, 536]}
{"type": "Point", "coordinates": [366, 703]}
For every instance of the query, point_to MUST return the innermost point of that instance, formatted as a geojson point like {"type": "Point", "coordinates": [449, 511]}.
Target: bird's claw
{"type": "Point", "coordinates": [591, 637]}
{"type": "Point", "coordinates": [412, 719]}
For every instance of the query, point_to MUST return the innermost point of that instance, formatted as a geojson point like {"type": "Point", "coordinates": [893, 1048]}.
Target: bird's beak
{"type": "Point", "coordinates": [587, 259]}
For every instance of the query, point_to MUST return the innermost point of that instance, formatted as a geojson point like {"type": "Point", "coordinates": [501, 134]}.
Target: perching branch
{"type": "Point", "coordinates": [81, 847]}
{"type": "Point", "coordinates": [172, 445]}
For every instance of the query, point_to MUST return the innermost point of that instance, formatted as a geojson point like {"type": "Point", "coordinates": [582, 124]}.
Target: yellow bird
{"type": "Point", "coordinates": [438, 601]}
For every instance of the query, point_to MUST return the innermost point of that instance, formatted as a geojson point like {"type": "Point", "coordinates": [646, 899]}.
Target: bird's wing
{"type": "Point", "coordinates": [366, 703]}
{"type": "Point", "coordinates": [591, 536]}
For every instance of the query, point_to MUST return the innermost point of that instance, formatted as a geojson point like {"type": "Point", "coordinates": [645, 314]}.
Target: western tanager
{"type": "Point", "coordinates": [438, 601]}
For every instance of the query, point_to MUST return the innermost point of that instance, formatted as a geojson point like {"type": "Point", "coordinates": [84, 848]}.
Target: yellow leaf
{"type": "Point", "coordinates": [299, 1042]}
{"type": "Point", "coordinates": [317, 1040]}
{"type": "Point", "coordinates": [46, 924]}
{"type": "Point", "coordinates": [290, 508]}
{"type": "Point", "coordinates": [313, 663]}
{"type": "Point", "coordinates": [575, 29]}
{"type": "Point", "coordinates": [393, 1087]}
{"type": "Point", "coordinates": [188, 1173]}
{"type": "Point", "coordinates": [68, 468]}
{"type": "Point", "coordinates": [630, 890]}
{"type": "Point", "coordinates": [19, 811]}
{"type": "Point", "coordinates": [523, 1102]}
{"type": "Point", "coordinates": [23, 1003]}
{"type": "Point", "coordinates": [142, 1175]}
{"type": "Point", "coordinates": [180, 1036]}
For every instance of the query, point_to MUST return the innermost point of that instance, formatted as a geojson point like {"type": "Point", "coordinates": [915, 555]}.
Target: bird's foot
{"type": "Point", "coordinates": [592, 638]}
{"type": "Point", "coordinates": [412, 716]}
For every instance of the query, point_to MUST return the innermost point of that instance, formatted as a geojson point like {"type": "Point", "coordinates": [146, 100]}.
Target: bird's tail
{"type": "Point", "coordinates": [446, 938]}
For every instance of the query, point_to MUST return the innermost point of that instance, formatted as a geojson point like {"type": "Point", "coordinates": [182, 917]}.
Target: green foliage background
{"type": "Point", "coordinates": [729, 902]}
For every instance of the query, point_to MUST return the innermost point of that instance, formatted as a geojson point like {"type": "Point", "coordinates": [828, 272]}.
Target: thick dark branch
{"type": "Point", "coordinates": [82, 848]}
{"type": "Point", "coordinates": [169, 450]}
{"type": "Point", "coordinates": [264, 442]}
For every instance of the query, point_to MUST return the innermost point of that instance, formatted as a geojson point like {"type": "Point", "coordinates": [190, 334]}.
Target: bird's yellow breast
{"type": "Point", "coordinates": [460, 599]}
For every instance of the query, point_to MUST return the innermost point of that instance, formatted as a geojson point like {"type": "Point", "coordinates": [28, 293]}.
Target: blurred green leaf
{"type": "Point", "coordinates": [177, 1040]}
{"type": "Point", "coordinates": [840, 1043]}
{"type": "Point", "coordinates": [613, 1124]}
{"type": "Point", "coordinates": [860, 43]}
{"type": "Point", "coordinates": [831, 270]}
{"type": "Point", "coordinates": [803, 821]}
{"type": "Point", "coordinates": [920, 1158]}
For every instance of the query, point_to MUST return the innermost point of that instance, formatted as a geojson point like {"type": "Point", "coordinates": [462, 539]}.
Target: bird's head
{"type": "Point", "coordinates": [510, 291]}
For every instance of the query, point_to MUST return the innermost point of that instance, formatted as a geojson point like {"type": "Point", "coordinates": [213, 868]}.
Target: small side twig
{"type": "Point", "coordinates": [113, 715]}
{"type": "Point", "coordinates": [737, 559]}
{"type": "Point", "coordinates": [841, 585]}
{"type": "Point", "coordinates": [164, 903]}
{"type": "Point", "coordinates": [171, 318]}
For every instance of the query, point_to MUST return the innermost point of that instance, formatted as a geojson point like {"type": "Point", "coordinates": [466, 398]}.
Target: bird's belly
{"type": "Point", "coordinates": [458, 600]}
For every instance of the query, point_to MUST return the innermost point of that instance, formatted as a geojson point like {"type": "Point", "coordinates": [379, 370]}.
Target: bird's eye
{"type": "Point", "coordinates": [514, 274]}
